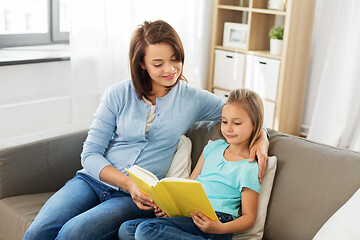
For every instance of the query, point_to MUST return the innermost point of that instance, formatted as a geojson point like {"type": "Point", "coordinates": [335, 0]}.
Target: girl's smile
{"type": "Point", "coordinates": [230, 136]}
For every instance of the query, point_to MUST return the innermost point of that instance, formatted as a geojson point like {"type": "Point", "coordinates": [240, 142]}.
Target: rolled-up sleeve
{"type": "Point", "coordinates": [100, 134]}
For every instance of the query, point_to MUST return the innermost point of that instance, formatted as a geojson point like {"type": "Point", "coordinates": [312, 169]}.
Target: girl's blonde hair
{"type": "Point", "coordinates": [253, 105]}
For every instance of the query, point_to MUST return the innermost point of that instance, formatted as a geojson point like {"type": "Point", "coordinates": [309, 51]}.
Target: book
{"type": "Point", "coordinates": [174, 196]}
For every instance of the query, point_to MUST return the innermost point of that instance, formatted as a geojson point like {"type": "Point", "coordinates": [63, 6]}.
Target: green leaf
{"type": "Point", "coordinates": [277, 33]}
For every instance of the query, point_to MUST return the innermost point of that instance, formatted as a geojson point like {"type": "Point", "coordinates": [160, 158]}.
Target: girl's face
{"type": "Point", "coordinates": [236, 124]}
{"type": "Point", "coordinates": [161, 64]}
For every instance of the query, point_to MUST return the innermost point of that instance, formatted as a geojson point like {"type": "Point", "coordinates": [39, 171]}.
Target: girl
{"type": "Point", "coordinates": [139, 121]}
{"type": "Point", "coordinates": [229, 180]}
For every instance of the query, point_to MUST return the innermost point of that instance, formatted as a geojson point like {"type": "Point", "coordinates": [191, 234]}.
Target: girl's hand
{"type": "Point", "coordinates": [141, 200]}
{"type": "Point", "coordinates": [260, 149]}
{"type": "Point", "coordinates": [205, 224]}
{"type": "Point", "coordinates": [159, 213]}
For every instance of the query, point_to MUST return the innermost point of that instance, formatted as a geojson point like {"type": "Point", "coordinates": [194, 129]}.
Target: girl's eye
{"type": "Point", "coordinates": [224, 122]}
{"type": "Point", "coordinates": [158, 65]}
{"type": "Point", "coordinates": [174, 60]}
{"type": "Point", "coordinates": [237, 123]}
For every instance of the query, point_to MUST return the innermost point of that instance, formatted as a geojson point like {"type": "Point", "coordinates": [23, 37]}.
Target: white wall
{"type": "Point", "coordinates": [38, 81]}
{"type": "Point", "coordinates": [34, 97]}
{"type": "Point", "coordinates": [39, 96]}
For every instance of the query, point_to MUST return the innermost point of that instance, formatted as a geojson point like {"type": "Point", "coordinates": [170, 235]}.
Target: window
{"type": "Point", "coordinates": [34, 22]}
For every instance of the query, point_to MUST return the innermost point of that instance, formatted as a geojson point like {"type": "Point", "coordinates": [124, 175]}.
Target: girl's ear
{"type": "Point", "coordinates": [142, 65]}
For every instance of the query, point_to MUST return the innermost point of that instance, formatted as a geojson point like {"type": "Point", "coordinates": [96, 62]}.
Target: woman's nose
{"type": "Point", "coordinates": [169, 68]}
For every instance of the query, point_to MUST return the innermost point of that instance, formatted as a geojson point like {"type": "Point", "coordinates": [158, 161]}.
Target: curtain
{"type": "Point", "coordinates": [100, 37]}
{"type": "Point", "coordinates": [335, 62]}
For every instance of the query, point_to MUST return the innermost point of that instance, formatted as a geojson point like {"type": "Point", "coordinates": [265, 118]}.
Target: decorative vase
{"type": "Point", "coordinates": [275, 46]}
{"type": "Point", "coordinates": [276, 5]}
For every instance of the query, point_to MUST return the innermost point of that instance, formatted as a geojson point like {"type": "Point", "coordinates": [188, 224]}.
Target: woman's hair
{"type": "Point", "coordinates": [146, 34]}
{"type": "Point", "coordinates": [251, 102]}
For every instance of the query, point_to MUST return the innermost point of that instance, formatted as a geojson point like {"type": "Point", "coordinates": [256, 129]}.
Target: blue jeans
{"type": "Point", "coordinates": [84, 209]}
{"type": "Point", "coordinates": [174, 228]}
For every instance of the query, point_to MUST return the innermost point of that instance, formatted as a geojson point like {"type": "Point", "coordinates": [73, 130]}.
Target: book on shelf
{"type": "Point", "coordinates": [174, 196]}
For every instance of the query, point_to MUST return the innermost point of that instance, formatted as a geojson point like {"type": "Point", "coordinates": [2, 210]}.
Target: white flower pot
{"type": "Point", "coordinates": [276, 4]}
{"type": "Point", "coordinates": [275, 46]}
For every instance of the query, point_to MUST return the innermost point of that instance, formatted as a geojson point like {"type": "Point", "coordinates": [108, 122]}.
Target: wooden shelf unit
{"type": "Point", "coordinates": [297, 21]}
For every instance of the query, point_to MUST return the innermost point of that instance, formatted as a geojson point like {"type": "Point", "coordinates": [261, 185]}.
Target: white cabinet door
{"type": "Point", "coordinates": [262, 76]}
{"type": "Point", "coordinates": [229, 69]}
{"type": "Point", "coordinates": [222, 94]}
{"type": "Point", "coordinates": [269, 113]}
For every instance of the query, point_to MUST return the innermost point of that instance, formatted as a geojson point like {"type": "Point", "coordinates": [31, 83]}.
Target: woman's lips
{"type": "Point", "coordinates": [170, 77]}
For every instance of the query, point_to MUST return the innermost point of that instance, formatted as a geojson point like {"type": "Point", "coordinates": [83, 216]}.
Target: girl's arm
{"type": "Point", "coordinates": [260, 149]}
{"type": "Point", "coordinates": [249, 204]}
{"type": "Point", "coordinates": [197, 170]}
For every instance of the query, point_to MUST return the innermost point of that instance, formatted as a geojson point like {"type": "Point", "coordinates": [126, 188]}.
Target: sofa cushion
{"type": "Point", "coordinates": [312, 182]}
{"type": "Point", "coordinates": [344, 224]}
{"type": "Point", "coordinates": [181, 164]}
{"type": "Point", "coordinates": [17, 213]}
{"type": "Point", "coordinates": [28, 162]}
{"type": "Point", "coordinates": [257, 231]}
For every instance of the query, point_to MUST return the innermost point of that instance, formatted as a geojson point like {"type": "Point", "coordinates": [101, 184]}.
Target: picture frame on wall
{"type": "Point", "coordinates": [235, 35]}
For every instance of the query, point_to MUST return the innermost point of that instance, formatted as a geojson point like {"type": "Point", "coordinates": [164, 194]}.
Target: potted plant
{"type": "Point", "coordinates": [276, 35]}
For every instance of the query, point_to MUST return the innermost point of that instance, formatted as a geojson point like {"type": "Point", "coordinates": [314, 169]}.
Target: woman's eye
{"type": "Point", "coordinates": [158, 65]}
{"type": "Point", "coordinates": [224, 122]}
{"type": "Point", "coordinates": [237, 123]}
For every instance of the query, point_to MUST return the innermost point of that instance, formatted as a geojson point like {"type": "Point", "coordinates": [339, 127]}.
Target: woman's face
{"type": "Point", "coordinates": [161, 64]}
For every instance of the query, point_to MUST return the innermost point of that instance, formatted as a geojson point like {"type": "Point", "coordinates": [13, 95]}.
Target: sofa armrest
{"type": "Point", "coordinates": [40, 162]}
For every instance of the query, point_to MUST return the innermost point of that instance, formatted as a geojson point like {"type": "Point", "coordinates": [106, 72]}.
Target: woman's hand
{"type": "Point", "coordinates": [159, 213]}
{"type": "Point", "coordinates": [141, 200]}
{"type": "Point", "coordinates": [260, 149]}
{"type": "Point", "coordinates": [205, 224]}
{"type": "Point", "coordinates": [111, 175]}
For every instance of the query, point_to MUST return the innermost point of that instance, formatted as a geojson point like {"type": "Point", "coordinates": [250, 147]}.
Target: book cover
{"type": "Point", "coordinates": [175, 196]}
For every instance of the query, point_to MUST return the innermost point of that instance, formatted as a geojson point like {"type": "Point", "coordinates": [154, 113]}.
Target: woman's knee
{"type": "Point", "coordinates": [74, 229]}
{"type": "Point", "coordinates": [35, 232]}
{"type": "Point", "coordinates": [31, 234]}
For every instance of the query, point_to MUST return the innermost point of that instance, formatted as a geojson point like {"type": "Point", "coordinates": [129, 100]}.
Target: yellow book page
{"type": "Point", "coordinates": [187, 196]}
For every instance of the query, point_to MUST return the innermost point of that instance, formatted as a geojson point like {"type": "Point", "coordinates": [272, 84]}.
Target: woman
{"type": "Point", "coordinates": [138, 121]}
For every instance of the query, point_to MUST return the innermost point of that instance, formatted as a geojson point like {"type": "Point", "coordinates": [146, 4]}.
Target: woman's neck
{"type": "Point", "coordinates": [157, 93]}
{"type": "Point", "coordinates": [152, 99]}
